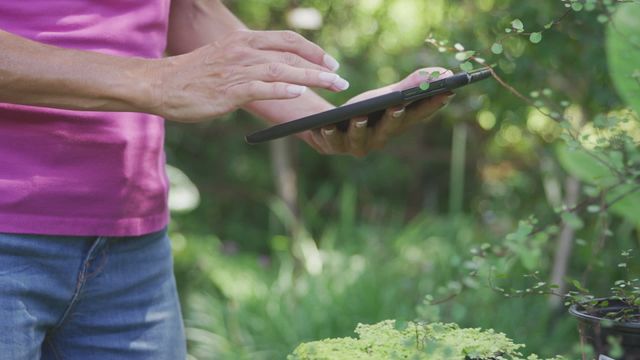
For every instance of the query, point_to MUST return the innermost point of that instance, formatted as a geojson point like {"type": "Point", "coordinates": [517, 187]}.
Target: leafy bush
{"type": "Point", "coordinates": [243, 306]}
{"type": "Point", "coordinates": [437, 341]}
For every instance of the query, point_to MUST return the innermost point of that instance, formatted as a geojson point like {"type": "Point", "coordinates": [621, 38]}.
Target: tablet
{"type": "Point", "coordinates": [373, 108]}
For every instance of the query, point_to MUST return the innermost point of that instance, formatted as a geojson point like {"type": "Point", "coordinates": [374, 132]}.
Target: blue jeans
{"type": "Point", "coordinates": [93, 298]}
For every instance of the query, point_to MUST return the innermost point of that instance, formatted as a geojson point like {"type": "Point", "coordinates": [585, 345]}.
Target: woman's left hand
{"type": "Point", "coordinates": [360, 139]}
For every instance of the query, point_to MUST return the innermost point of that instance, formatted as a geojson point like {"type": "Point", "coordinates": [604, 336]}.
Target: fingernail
{"type": "Point", "coordinates": [398, 113]}
{"type": "Point", "coordinates": [328, 77]}
{"type": "Point", "coordinates": [296, 89]}
{"type": "Point", "coordinates": [360, 123]}
{"type": "Point", "coordinates": [331, 63]}
{"type": "Point", "coordinates": [328, 131]}
{"type": "Point", "coordinates": [341, 84]}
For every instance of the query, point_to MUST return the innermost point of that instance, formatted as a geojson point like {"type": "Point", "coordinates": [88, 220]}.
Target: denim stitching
{"type": "Point", "coordinates": [101, 265]}
{"type": "Point", "coordinates": [52, 348]}
{"type": "Point", "coordinates": [82, 277]}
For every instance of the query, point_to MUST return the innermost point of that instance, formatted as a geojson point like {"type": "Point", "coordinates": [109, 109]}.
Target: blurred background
{"type": "Point", "coordinates": [275, 245]}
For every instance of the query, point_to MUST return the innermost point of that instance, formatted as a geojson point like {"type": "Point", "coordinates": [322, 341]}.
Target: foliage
{"type": "Point", "coordinates": [603, 153]}
{"type": "Point", "coordinates": [623, 53]}
{"type": "Point", "coordinates": [378, 238]}
{"type": "Point", "coordinates": [436, 341]}
{"type": "Point", "coordinates": [242, 306]}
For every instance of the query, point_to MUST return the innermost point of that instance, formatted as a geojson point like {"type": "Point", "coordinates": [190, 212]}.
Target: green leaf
{"type": "Point", "coordinates": [496, 48]}
{"type": "Point", "coordinates": [584, 167]}
{"type": "Point", "coordinates": [535, 37]}
{"type": "Point", "coordinates": [623, 52]}
{"type": "Point", "coordinates": [579, 286]}
{"type": "Point", "coordinates": [593, 208]}
{"type": "Point", "coordinates": [572, 220]}
{"type": "Point", "coordinates": [424, 85]}
{"type": "Point", "coordinates": [464, 55]}
{"type": "Point", "coordinates": [466, 66]}
{"type": "Point", "coordinates": [627, 207]}
{"type": "Point", "coordinates": [577, 6]}
{"type": "Point", "coordinates": [517, 24]}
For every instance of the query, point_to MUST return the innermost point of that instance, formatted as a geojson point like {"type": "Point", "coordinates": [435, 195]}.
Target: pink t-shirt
{"type": "Point", "coordinates": [84, 173]}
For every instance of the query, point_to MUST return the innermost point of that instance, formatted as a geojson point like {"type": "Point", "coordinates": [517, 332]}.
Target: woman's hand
{"type": "Point", "coordinates": [246, 66]}
{"type": "Point", "coordinates": [359, 139]}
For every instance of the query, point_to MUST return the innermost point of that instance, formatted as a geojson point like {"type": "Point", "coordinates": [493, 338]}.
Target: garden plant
{"type": "Point", "coordinates": [519, 202]}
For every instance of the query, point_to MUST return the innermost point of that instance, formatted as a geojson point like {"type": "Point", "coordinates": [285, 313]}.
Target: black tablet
{"type": "Point", "coordinates": [373, 108]}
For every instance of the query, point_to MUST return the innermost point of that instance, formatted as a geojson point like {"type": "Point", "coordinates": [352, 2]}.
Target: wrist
{"type": "Point", "coordinates": [141, 85]}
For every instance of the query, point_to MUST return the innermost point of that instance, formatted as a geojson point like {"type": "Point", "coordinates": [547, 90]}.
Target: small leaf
{"type": "Point", "coordinates": [535, 37]}
{"type": "Point", "coordinates": [517, 24]}
{"type": "Point", "coordinates": [593, 208]}
{"type": "Point", "coordinates": [577, 6]}
{"type": "Point", "coordinates": [572, 220]}
{"type": "Point", "coordinates": [578, 286]}
{"type": "Point", "coordinates": [424, 85]}
{"type": "Point", "coordinates": [464, 55]}
{"type": "Point", "coordinates": [602, 18]}
{"type": "Point", "coordinates": [507, 30]}
{"type": "Point", "coordinates": [496, 48]}
{"type": "Point", "coordinates": [548, 25]}
{"type": "Point", "coordinates": [466, 66]}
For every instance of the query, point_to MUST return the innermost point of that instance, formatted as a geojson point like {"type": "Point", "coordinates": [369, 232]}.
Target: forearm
{"type": "Point", "coordinates": [195, 23]}
{"type": "Point", "coordinates": [32, 73]}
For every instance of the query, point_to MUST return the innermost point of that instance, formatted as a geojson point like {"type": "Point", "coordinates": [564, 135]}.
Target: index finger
{"type": "Point", "coordinates": [295, 43]}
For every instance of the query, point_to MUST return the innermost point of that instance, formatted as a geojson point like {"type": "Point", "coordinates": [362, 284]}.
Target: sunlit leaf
{"type": "Point", "coordinates": [466, 66]}
{"type": "Point", "coordinates": [535, 37]}
{"type": "Point", "coordinates": [517, 24]}
{"type": "Point", "coordinates": [623, 52]}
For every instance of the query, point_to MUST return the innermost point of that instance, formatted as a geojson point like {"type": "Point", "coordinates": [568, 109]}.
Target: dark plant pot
{"type": "Point", "coordinates": [595, 328]}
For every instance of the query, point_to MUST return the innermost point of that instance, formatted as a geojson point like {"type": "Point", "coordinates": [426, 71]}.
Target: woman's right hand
{"type": "Point", "coordinates": [247, 66]}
